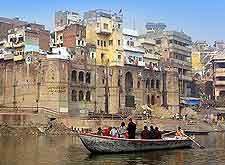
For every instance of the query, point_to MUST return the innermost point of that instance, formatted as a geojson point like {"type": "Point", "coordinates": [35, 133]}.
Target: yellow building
{"type": "Point", "coordinates": [105, 31]}
{"type": "Point", "coordinates": [197, 66]}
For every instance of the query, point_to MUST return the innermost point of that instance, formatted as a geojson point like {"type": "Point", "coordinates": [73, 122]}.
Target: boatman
{"type": "Point", "coordinates": [180, 132]}
{"type": "Point", "coordinates": [131, 129]}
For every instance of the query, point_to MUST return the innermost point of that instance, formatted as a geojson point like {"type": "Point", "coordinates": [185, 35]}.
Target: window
{"type": "Point", "coordinates": [74, 95]}
{"type": "Point", "coordinates": [102, 56]}
{"type": "Point", "coordinates": [98, 42]}
{"type": "Point", "coordinates": [101, 43]}
{"type": "Point", "coordinates": [119, 43]}
{"type": "Point", "coordinates": [106, 26]}
{"type": "Point", "coordinates": [138, 84]}
{"type": "Point", "coordinates": [157, 84]}
{"type": "Point", "coordinates": [119, 57]}
{"type": "Point", "coordinates": [78, 42]}
{"type": "Point", "coordinates": [98, 24]}
{"type": "Point", "coordinates": [88, 96]}
{"type": "Point", "coordinates": [158, 41]}
{"type": "Point", "coordinates": [88, 77]}
{"type": "Point", "coordinates": [81, 96]}
{"type": "Point", "coordinates": [60, 37]}
{"type": "Point", "coordinates": [104, 43]}
{"type": "Point", "coordinates": [119, 26]}
{"type": "Point", "coordinates": [74, 75]}
{"type": "Point", "coordinates": [131, 43]}
{"type": "Point", "coordinates": [152, 83]}
{"type": "Point", "coordinates": [118, 83]}
{"type": "Point", "coordinates": [139, 59]}
{"type": "Point", "coordinates": [110, 42]}
{"type": "Point", "coordinates": [103, 81]}
{"type": "Point", "coordinates": [81, 76]}
{"type": "Point", "coordinates": [128, 43]}
{"type": "Point", "coordinates": [92, 55]}
{"type": "Point", "coordinates": [20, 39]}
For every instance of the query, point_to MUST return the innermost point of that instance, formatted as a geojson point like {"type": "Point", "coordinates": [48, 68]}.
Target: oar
{"type": "Point", "coordinates": [200, 146]}
{"type": "Point", "coordinates": [168, 133]}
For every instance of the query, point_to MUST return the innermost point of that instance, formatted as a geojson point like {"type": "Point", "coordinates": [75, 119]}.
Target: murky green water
{"type": "Point", "coordinates": [68, 151]}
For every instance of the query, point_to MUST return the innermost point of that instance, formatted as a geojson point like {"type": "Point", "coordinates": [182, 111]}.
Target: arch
{"type": "Point", "coordinates": [74, 75]}
{"type": "Point", "coordinates": [74, 95]}
{"type": "Point", "coordinates": [88, 77]}
{"type": "Point", "coordinates": [148, 100]}
{"type": "Point", "coordinates": [147, 83]}
{"type": "Point", "coordinates": [88, 96]}
{"type": "Point", "coordinates": [157, 84]}
{"type": "Point", "coordinates": [81, 96]}
{"type": "Point", "coordinates": [152, 83]}
{"type": "Point", "coordinates": [81, 76]}
{"type": "Point", "coordinates": [128, 80]}
{"type": "Point", "coordinates": [153, 100]}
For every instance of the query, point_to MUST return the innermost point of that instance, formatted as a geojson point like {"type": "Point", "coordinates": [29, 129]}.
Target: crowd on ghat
{"type": "Point", "coordinates": [129, 132]}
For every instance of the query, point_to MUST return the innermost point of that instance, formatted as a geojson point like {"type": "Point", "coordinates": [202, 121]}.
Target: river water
{"type": "Point", "coordinates": [59, 150]}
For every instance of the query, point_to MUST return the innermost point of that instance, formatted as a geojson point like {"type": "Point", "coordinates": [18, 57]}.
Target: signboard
{"type": "Point", "coordinates": [28, 60]}
{"type": "Point", "coordinates": [57, 89]}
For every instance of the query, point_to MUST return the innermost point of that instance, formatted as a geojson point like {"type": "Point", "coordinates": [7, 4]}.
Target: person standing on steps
{"type": "Point", "coordinates": [131, 129]}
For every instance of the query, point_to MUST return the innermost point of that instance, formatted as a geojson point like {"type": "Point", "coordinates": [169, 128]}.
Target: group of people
{"type": "Point", "coordinates": [129, 132]}
{"type": "Point", "coordinates": [153, 133]}
{"type": "Point", "coordinates": [121, 132]}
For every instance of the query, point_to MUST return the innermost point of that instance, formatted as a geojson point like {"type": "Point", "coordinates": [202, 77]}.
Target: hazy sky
{"type": "Point", "coordinates": [201, 19]}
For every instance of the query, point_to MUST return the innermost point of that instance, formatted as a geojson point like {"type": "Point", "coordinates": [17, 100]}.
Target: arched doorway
{"type": "Point", "coordinates": [129, 81]}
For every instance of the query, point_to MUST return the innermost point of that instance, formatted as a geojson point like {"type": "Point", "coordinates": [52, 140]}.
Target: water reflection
{"type": "Point", "coordinates": [59, 150]}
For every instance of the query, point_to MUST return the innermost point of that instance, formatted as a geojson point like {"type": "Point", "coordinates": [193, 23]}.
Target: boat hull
{"type": "Point", "coordinates": [102, 144]}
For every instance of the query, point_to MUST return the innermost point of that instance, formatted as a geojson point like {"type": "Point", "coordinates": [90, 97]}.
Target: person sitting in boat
{"type": "Point", "coordinates": [122, 130]}
{"type": "Point", "coordinates": [180, 132]}
{"type": "Point", "coordinates": [158, 134]}
{"type": "Point", "coordinates": [131, 129]}
{"type": "Point", "coordinates": [114, 132]}
{"type": "Point", "coordinates": [152, 132]}
{"type": "Point", "coordinates": [145, 134]}
{"type": "Point", "coordinates": [106, 131]}
{"type": "Point", "coordinates": [99, 131]}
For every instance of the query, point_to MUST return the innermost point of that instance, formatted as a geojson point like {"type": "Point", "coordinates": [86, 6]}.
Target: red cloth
{"type": "Point", "coordinates": [106, 132]}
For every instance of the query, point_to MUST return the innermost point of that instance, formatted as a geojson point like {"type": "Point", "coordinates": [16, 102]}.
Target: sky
{"type": "Point", "coordinates": [201, 19]}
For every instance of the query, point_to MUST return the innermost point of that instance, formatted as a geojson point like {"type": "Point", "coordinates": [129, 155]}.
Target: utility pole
{"type": "Point", "coordinates": [107, 88]}
{"type": "Point", "coordinates": [38, 84]}
{"type": "Point", "coordinates": [180, 89]}
{"type": "Point", "coordinates": [164, 85]}
{"type": "Point", "coordinates": [95, 87]}
{"type": "Point", "coordinates": [14, 86]}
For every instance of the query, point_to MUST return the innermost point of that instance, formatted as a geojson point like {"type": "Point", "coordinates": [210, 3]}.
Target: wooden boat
{"type": "Point", "coordinates": [105, 144]}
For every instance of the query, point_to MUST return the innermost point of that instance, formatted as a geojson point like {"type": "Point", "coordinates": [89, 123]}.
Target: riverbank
{"type": "Point", "coordinates": [58, 128]}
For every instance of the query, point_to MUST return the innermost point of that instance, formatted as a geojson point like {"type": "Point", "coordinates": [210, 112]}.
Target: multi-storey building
{"type": "Point", "coordinates": [104, 30]}
{"type": "Point", "coordinates": [7, 24]}
{"type": "Point", "coordinates": [175, 51]}
{"type": "Point", "coordinates": [219, 76]}
{"type": "Point", "coordinates": [28, 38]}
{"type": "Point", "coordinates": [68, 29]}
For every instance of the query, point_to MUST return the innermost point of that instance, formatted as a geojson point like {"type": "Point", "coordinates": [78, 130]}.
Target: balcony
{"type": "Point", "coordinates": [8, 56]}
{"type": "Point", "coordinates": [18, 58]}
{"type": "Point", "coordinates": [219, 82]}
{"type": "Point", "coordinates": [180, 48]}
{"type": "Point", "coordinates": [103, 31]}
{"type": "Point", "coordinates": [180, 63]}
